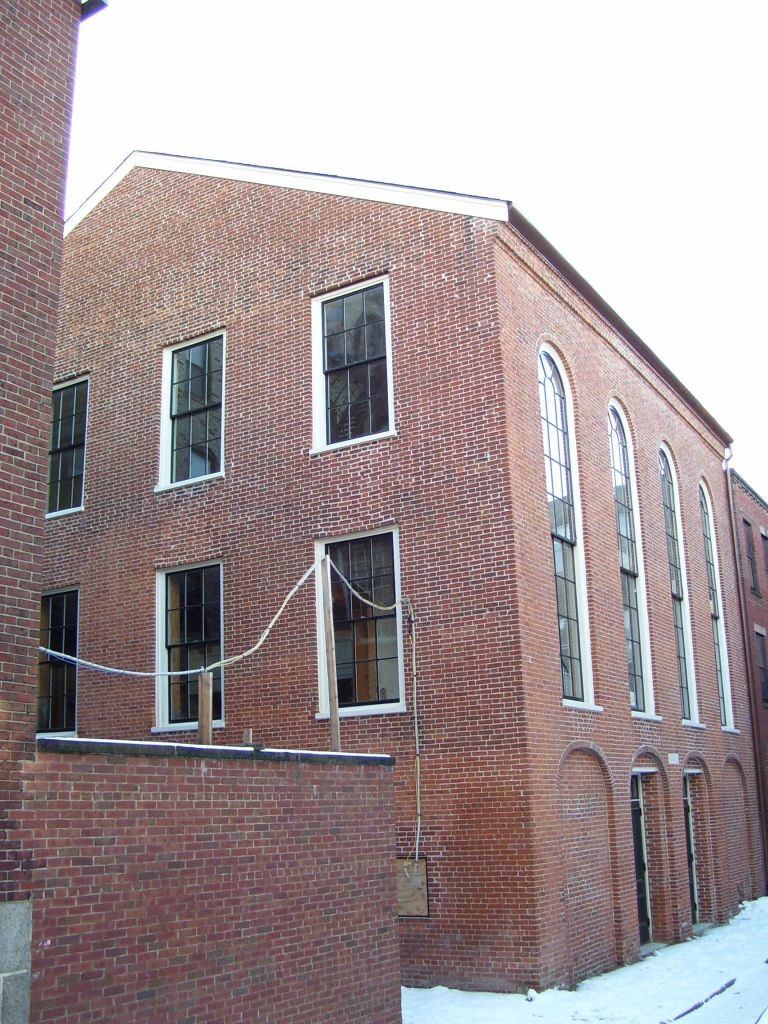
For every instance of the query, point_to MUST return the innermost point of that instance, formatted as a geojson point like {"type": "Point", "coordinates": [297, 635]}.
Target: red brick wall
{"type": "Point", "coordinates": [752, 507]}
{"type": "Point", "coordinates": [210, 890]}
{"type": "Point", "coordinates": [175, 256]}
{"type": "Point", "coordinates": [36, 67]}
{"type": "Point", "coordinates": [588, 903]}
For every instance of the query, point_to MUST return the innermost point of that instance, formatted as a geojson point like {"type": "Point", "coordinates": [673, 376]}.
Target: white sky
{"type": "Point", "coordinates": [631, 135]}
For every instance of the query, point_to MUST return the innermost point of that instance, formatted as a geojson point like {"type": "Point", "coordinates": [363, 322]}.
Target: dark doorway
{"type": "Point", "coordinates": [641, 872]}
{"type": "Point", "coordinates": [690, 849]}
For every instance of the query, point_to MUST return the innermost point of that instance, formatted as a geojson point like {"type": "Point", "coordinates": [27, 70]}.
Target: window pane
{"type": "Point", "coordinates": [355, 340]}
{"type": "Point", "coordinates": [334, 352]}
{"type": "Point", "coordinates": [353, 311]}
{"type": "Point", "coordinates": [333, 315]}
{"type": "Point", "coordinates": [375, 342]}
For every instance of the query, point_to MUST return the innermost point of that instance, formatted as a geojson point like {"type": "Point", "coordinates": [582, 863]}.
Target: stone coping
{"type": "Point", "coordinates": [152, 748]}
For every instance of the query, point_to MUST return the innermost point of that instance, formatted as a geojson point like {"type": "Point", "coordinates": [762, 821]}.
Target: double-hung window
{"type": "Point", "coordinates": [66, 456]}
{"type": "Point", "coordinates": [367, 623]}
{"type": "Point", "coordinates": [762, 663]}
{"type": "Point", "coordinates": [749, 544]}
{"type": "Point", "coordinates": [722, 674]}
{"type": "Point", "coordinates": [630, 565]}
{"type": "Point", "coordinates": [678, 589]}
{"type": "Point", "coordinates": [193, 402]}
{"type": "Point", "coordinates": [190, 637]}
{"type": "Point", "coordinates": [353, 365]}
{"type": "Point", "coordinates": [564, 525]}
{"type": "Point", "coordinates": [57, 679]}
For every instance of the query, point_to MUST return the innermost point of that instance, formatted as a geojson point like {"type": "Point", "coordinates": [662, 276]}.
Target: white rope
{"type": "Point", "coordinates": [252, 650]}
{"type": "Point", "coordinates": [82, 663]}
{"type": "Point", "coordinates": [109, 670]}
{"type": "Point", "coordinates": [359, 596]}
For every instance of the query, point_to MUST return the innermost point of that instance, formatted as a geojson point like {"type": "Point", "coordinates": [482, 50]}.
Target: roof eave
{"type": "Point", "coordinates": [558, 262]}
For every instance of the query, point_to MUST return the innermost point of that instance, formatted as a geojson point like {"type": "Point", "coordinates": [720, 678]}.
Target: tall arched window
{"type": "Point", "coordinates": [630, 565]}
{"type": "Point", "coordinates": [678, 588]}
{"type": "Point", "coordinates": [563, 524]}
{"type": "Point", "coordinates": [722, 674]}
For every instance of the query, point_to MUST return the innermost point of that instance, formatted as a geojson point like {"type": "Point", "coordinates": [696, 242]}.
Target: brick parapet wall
{"type": "Point", "coordinates": [172, 883]}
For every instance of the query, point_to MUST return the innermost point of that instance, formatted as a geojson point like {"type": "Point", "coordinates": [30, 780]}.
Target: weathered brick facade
{"type": "Point", "coordinates": [181, 885]}
{"type": "Point", "coordinates": [527, 830]}
{"type": "Point", "coordinates": [36, 70]}
{"type": "Point", "coordinates": [751, 522]}
{"type": "Point", "coordinates": [37, 52]}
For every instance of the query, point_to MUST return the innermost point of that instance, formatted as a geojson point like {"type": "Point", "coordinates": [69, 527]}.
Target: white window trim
{"type": "Point", "coordinates": [162, 720]}
{"type": "Point", "coordinates": [721, 631]}
{"type": "Point", "coordinates": [164, 482]}
{"type": "Point", "coordinates": [642, 595]}
{"type": "Point", "coordinates": [81, 507]}
{"type": "Point", "coordinates": [687, 636]}
{"type": "Point", "coordinates": [391, 707]}
{"type": "Point", "coordinates": [51, 593]}
{"type": "Point", "coordinates": [319, 425]}
{"type": "Point", "coordinates": [585, 641]}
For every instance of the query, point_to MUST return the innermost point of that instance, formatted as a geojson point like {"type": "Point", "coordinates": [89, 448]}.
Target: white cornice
{"type": "Point", "coordinates": [354, 188]}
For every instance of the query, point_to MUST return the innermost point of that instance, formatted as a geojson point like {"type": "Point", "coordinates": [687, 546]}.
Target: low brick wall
{"type": "Point", "coordinates": [197, 885]}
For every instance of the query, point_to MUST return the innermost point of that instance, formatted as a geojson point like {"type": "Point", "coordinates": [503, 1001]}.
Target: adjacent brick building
{"type": "Point", "coordinates": [258, 367]}
{"type": "Point", "coordinates": [751, 528]}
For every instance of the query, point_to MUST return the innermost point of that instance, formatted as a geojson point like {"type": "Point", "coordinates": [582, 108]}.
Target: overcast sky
{"type": "Point", "coordinates": [632, 135]}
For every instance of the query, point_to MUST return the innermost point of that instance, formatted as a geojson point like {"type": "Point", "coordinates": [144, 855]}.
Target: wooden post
{"type": "Point", "coordinates": [205, 708]}
{"type": "Point", "coordinates": [330, 653]}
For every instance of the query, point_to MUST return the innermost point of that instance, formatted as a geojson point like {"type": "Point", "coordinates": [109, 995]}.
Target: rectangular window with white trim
{"type": "Point", "coordinates": [367, 623]}
{"type": "Point", "coordinates": [352, 390]}
{"type": "Point", "coordinates": [66, 454]}
{"type": "Point", "coordinates": [191, 435]}
{"type": "Point", "coordinates": [189, 637]}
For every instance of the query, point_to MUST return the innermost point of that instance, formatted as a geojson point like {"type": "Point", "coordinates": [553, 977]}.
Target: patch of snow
{"type": "Point", "coordinates": [656, 990]}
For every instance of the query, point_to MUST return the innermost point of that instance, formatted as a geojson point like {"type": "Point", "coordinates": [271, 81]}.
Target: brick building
{"type": "Point", "coordinates": [751, 528]}
{"type": "Point", "coordinates": [37, 58]}
{"type": "Point", "coordinates": [258, 367]}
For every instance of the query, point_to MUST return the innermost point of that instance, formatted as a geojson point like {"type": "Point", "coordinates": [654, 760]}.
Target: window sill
{"type": "Point", "coordinates": [646, 716]}
{"type": "Point", "coordinates": [320, 449]}
{"type": "Point", "coordinates": [731, 729]}
{"type": "Point", "coordinates": [183, 727]}
{"type": "Point", "coordinates": [64, 735]}
{"type": "Point", "coordinates": [64, 512]}
{"type": "Point", "coordinates": [366, 709]}
{"type": "Point", "coordinates": [580, 705]}
{"type": "Point", "coordinates": [160, 488]}
{"type": "Point", "coordinates": [690, 724]}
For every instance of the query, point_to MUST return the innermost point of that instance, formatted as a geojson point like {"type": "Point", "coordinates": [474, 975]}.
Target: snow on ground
{"type": "Point", "coordinates": [656, 990]}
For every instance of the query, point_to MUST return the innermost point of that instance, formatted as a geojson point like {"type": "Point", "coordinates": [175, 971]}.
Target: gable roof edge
{"type": "Point", "coordinates": [303, 181]}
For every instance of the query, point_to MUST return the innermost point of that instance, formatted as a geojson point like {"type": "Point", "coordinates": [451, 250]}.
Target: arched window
{"type": "Point", "coordinates": [563, 524]}
{"type": "Point", "coordinates": [715, 605]}
{"type": "Point", "coordinates": [630, 565]}
{"type": "Point", "coordinates": [678, 588]}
